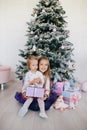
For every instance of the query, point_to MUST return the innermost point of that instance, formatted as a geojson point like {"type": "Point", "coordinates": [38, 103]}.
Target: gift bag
{"type": "Point", "coordinates": [58, 87]}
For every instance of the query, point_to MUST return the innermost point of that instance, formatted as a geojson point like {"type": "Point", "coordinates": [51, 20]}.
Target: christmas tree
{"type": "Point", "coordinates": [47, 36]}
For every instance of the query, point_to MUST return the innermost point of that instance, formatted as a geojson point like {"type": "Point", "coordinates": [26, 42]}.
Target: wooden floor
{"type": "Point", "coordinates": [67, 120]}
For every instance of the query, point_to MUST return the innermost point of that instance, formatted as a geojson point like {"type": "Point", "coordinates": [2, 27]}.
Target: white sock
{"type": "Point", "coordinates": [24, 109]}
{"type": "Point", "coordinates": [43, 115]}
{"type": "Point", "coordinates": [22, 112]}
{"type": "Point", "coordinates": [42, 109]}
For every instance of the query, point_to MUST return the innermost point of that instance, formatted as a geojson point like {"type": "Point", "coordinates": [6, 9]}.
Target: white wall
{"type": "Point", "coordinates": [77, 24]}
{"type": "Point", "coordinates": [13, 18]}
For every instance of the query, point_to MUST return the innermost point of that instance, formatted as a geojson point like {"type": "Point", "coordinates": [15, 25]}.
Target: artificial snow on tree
{"type": "Point", "coordinates": [47, 36]}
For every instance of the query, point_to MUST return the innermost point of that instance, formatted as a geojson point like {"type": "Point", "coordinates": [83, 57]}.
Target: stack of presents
{"type": "Point", "coordinates": [69, 91]}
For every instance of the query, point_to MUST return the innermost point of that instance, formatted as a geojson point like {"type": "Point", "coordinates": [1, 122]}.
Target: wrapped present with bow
{"type": "Point", "coordinates": [71, 96]}
{"type": "Point", "coordinates": [66, 85]}
{"type": "Point", "coordinates": [57, 87]}
{"type": "Point", "coordinates": [35, 91]}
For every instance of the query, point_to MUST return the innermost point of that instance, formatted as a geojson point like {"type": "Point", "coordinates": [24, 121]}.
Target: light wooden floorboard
{"type": "Point", "coordinates": [67, 120]}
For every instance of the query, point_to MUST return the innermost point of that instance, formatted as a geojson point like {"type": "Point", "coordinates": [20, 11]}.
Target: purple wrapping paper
{"type": "Point", "coordinates": [35, 92]}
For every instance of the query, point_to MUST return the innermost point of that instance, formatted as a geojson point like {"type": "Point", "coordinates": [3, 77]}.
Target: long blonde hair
{"type": "Point", "coordinates": [47, 72]}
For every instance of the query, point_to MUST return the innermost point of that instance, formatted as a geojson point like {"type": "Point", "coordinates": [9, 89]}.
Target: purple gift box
{"type": "Point", "coordinates": [35, 92]}
{"type": "Point", "coordinates": [59, 88]}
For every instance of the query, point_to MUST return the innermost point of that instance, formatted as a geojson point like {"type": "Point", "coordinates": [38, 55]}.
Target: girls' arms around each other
{"type": "Point", "coordinates": [30, 81]}
{"type": "Point", "coordinates": [44, 68]}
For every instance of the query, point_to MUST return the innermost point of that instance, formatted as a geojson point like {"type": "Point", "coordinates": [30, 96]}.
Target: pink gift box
{"type": "Point", "coordinates": [74, 99]}
{"type": "Point", "coordinates": [35, 92]}
{"type": "Point", "coordinates": [4, 74]}
{"type": "Point", "coordinates": [68, 99]}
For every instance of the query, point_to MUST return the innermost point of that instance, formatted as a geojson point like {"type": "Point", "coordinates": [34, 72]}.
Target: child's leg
{"type": "Point", "coordinates": [51, 99]}
{"type": "Point", "coordinates": [42, 108]}
{"type": "Point", "coordinates": [24, 109]}
{"type": "Point", "coordinates": [34, 105]}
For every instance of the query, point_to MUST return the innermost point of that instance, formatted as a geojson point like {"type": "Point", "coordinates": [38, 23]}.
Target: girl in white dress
{"type": "Point", "coordinates": [33, 76]}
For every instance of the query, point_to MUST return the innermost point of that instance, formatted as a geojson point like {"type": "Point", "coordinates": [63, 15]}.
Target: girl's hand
{"type": "Point", "coordinates": [32, 82]}
{"type": "Point", "coordinates": [24, 95]}
{"type": "Point", "coordinates": [45, 97]}
{"type": "Point", "coordinates": [37, 80]}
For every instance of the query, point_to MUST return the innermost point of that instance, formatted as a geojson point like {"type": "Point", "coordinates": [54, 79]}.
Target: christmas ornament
{"type": "Point", "coordinates": [35, 15]}
{"type": "Point", "coordinates": [58, 3]}
{"type": "Point", "coordinates": [73, 65]}
{"type": "Point", "coordinates": [43, 11]}
{"type": "Point", "coordinates": [34, 12]}
{"type": "Point", "coordinates": [36, 36]}
{"type": "Point", "coordinates": [34, 48]}
{"type": "Point", "coordinates": [47, 3]}
{"type": "Point", "coordinates": [62, 47]}
{"type": "Point", "coordinates": [32, 22]}
{"type": "Point", "coordinates": [31, 32]}
{"type": "Point", "coordinates": [29, 47]}
{"type": "Point", "coordinates": [40, 39]}
{"type": "Point", "coordinates": [54, 30]}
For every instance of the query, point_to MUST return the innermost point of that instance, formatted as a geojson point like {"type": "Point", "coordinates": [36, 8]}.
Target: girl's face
{"type": "Point", "coordinates": [43, 65]}
{"type": "Point", "coordinates": [33, 65]}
